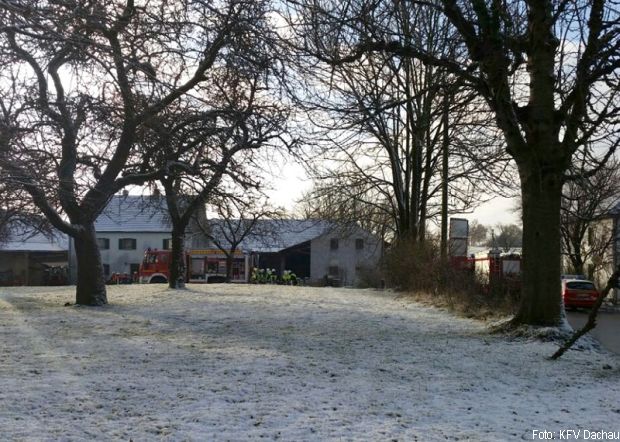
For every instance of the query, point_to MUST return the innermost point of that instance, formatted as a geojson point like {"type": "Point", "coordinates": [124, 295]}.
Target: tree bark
{"type": "Point", "coordinates": [541, 189]}
{"type": "Point", "coordinates": [177, 267]}
{"type": "Point", "coordinates": [229, 266]}
{"type": "Point", "coordinates": [91, 289]}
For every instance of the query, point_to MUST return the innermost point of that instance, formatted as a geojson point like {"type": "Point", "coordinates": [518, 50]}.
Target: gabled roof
{"type": "Point", "coordinates": [270, 236]}
{"type": "Point", "coordinates": [134, 213]}
{"type": "Point", "coordinates": [131, 213]}
{"type": "Point", "coordinates": [23, 239]}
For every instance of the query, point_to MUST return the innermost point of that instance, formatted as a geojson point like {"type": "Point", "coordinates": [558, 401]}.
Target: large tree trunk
{"type": "Point", "coordinates": [177, 260]}
{"type": "Point", "coordinates": [229, 266]}
{"type": "Point", "coordinates": [91, 288]}
{"type": "Point", "coordinates": [541, 191]}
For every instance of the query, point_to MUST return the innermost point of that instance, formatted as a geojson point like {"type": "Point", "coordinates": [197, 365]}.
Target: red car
{"type": "Point", "coordinates": [579, 293]}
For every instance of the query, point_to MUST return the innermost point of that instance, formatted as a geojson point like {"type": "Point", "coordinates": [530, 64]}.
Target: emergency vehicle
{"type": "Point", "coordinates": [202, 266]}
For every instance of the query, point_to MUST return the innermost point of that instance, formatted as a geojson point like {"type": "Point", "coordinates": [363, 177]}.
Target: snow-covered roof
{"type": "Point", "coordinates": [131, 213]}
{"type": "Point", "coordinates": [24, 240]}
{"type": "Point", "coordinates": [270, 236]}
{"type": "Point", "coordinates": [473, 250]}
{"type": "Point", "coordinates": [134, 213]}
{"type": "Point", "coordinates": [483, 252]}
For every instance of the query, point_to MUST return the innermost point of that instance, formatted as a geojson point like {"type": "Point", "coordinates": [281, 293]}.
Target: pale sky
{"type": "Point", "coordinates": [291, 181]}
{"type": "Point", "coordinates": [288, 185]}
{"type": "Point", "coordinates": [497, 211]}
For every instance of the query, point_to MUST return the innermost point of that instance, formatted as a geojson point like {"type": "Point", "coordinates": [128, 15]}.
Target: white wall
{"type": "Point", "coordinates": [120, 260]}
{"type": "Point", "coordinates": [347, 258]}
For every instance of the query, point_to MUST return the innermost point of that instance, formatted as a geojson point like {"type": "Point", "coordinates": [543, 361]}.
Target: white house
{"type": "Point", "coordinates": [128, 226]}
{"type": "Point", "coordinates": [315, 250]}
{"type": "Point", "coordinates": [602, 243]}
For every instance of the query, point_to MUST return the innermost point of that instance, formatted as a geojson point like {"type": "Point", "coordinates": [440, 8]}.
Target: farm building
{"type": "Point", "coordinates": [33, 258]}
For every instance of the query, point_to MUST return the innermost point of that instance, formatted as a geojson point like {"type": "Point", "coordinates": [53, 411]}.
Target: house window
{"type": "Point", "coordinates": [127, 244]}
{"type": "Point", "coordinates": [106, 269]}
{"type": "Point", "coordinates": [333, 244]}
{"type": "Point", "coordinates": [590, 235]}
{"type": "Point", "coordinates": [359, 244]}
{"type": "Point", "coordinates": [103, 243]}
{"type": "Point", "coordinates": [134, 268]}
{"type": "Point", "coordinates": [167, 244]}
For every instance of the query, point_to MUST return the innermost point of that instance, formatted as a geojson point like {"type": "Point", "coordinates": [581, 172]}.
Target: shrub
{"type": "Point", "coordinates": [270, 276]}
{"type": "Point", "coordinates": [417, 269]}
{"type": "Point", "coordinates": [413, 266]}
{"type": "Point", "coordinates": [370, 277]}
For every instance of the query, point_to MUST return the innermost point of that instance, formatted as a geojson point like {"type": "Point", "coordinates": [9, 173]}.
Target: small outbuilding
{"type": "Point", "coordinates": [33, 258]}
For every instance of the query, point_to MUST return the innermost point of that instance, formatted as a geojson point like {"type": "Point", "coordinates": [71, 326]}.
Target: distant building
{"type": "Point", "coordinates": [128, 226]}
{"type": "Point", "coordinates": [602, 244]}
{"type": "Point", "coordinates": [32, 258]}
{"type": "Point", "coordinates": [313, 249]}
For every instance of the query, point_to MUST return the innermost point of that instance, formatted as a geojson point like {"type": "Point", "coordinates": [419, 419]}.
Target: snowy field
{"type": "Point", "coordinates": [234, 362]}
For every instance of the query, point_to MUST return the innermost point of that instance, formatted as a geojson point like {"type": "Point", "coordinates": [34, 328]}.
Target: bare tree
{"type": "Point", "coordinates": [15, 205]}
{"type": "Point", "coordinates": [506, 237]}
{"type": "Point", "coordinates": [17, 217]}
{"type": "Point", "coordinates": [332, 201]}
{"type": "Point", "coordinates": [240, 218]}
{"type": "Point", "coordinates": [201, 152]}
{"type": "Point", "coordinates": [478, 233]}
{"type": "Point", "coordinates": [547, 70]}
{"type": "Point", "coordinates": [586, 202]}
{"type": "Point", "coordinates": [17, 211]}
{"type": "Point", "coordinates": [80, 80]}
{"type": "Point", "coordinates": [380, 125]}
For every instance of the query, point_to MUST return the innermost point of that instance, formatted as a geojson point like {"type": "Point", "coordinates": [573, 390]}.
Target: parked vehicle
{"type": "Point", "coordinates": [579, 293]}
{"type": "Point", "coordinates": [580, 277]}
{"type": "Point", "coordinates": [208, 265]}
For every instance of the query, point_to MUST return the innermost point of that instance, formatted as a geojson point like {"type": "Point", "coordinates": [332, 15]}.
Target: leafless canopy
{"type": "Point", "coordinates": [548, 70]}
{"type": "Point", "coordinates": [81, 80]}
{"type": "Point", "coordinates": [380, 115]}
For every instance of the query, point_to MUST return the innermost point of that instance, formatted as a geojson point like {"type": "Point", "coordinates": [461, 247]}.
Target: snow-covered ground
{"type": "Point", "coordinates": [238, 362]}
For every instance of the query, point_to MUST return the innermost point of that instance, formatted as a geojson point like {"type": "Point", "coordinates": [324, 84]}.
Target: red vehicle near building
{"type": "Point", "coordinates": [203, 266]}
{"type": "Point", "coordinates": [579, 293]}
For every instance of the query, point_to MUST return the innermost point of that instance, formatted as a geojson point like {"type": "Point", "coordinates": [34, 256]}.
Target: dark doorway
{"type": "Point", "coordinates": [295, 259]}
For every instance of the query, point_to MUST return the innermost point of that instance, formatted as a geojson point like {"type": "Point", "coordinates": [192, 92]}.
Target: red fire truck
{"type": "Point", "coordinates": [205, 265]}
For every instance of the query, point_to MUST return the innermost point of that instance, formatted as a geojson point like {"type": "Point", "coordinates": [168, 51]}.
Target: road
{"type": "Point", "coordinates": [607, 329]}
